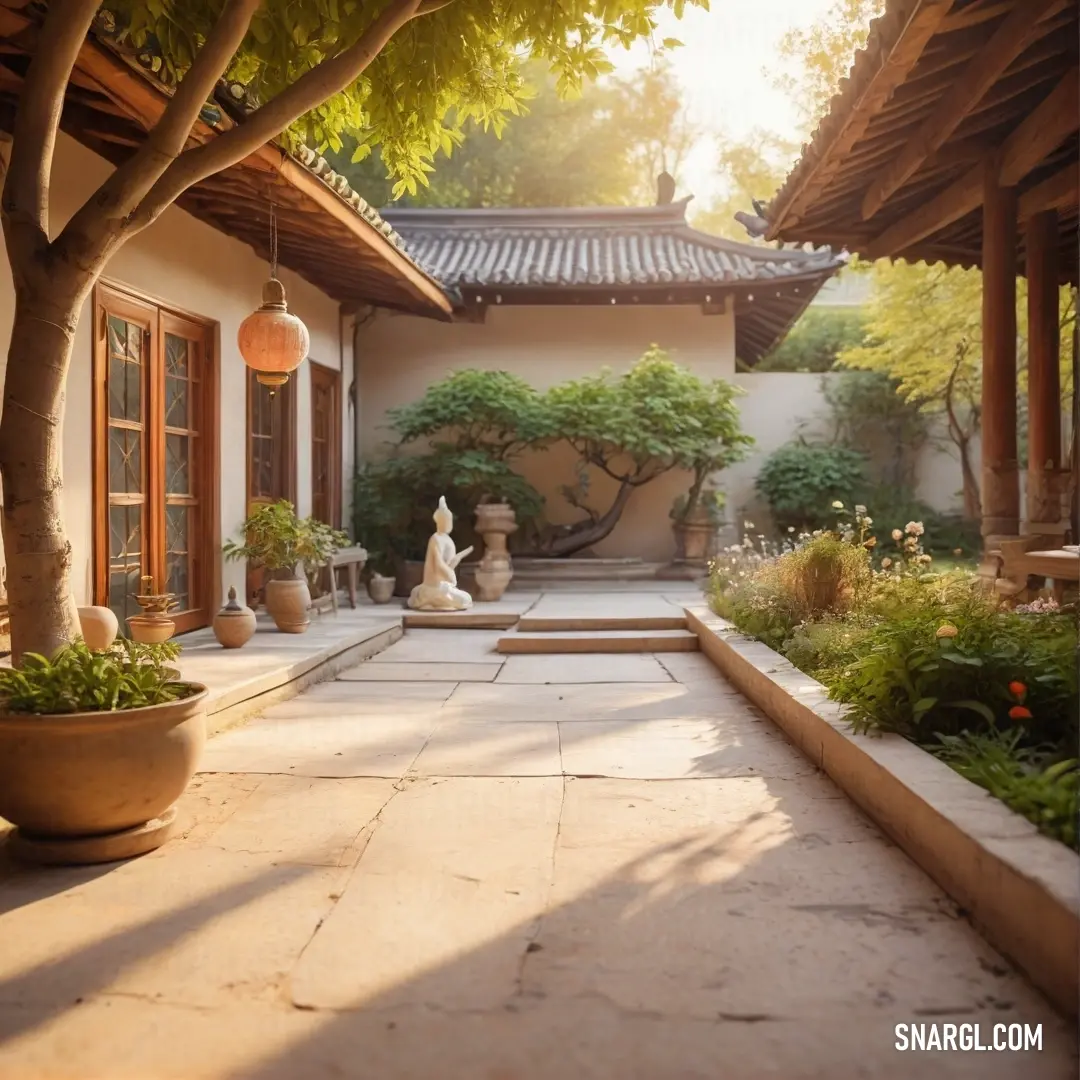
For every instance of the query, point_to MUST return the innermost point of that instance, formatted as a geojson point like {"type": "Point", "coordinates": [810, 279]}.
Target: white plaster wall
{"type": "Point", "coordinates": [399, 356]}
{"type": "Point", "coordinates": [182, 262]}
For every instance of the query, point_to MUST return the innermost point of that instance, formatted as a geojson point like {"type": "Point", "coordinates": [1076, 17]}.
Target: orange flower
{"type": "Point", "coordinates": [1017, 689]}
{"type": "Point", "coordinates": [1018, 712]}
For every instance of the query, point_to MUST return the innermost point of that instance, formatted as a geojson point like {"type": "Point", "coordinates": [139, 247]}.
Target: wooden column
{"type": "Point", "coordinates": [1044, 378]}
{"type": "Point", "coordinates": [1000, 474]}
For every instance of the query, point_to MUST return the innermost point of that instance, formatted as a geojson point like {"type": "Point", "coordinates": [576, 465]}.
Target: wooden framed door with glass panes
{"type": "Point", "coordinates": [271, 456]}
{"type": "Point", "coordinates": [155, 456]}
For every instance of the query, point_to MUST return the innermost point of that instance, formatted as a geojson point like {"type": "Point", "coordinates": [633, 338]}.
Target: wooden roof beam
{"type": "Point", "coordinates": [1007, 43]}
{"type": "Point", "coordinates": [921, 27]}
{"type": "Point", "coordinates": [1042, 132]}
{"type": "Point", "coordinates": [1056, 192]}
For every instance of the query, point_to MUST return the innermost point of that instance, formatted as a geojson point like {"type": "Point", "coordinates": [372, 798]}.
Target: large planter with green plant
{"type": "Point", "coordinates": [279, 541]}
{"type": "Point", "coordinates": [95, 750]}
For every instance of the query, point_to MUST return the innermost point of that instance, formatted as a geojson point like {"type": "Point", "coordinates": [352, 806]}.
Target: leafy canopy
{"type": "Point", "coordinates": [461, 62]}
{"type": "Point", "coordinates": [655, 417]}
{"type": "Point", "coordinates": [604, 147]}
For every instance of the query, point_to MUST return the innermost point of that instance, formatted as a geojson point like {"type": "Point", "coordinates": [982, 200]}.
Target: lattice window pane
{"type": "Point", "coordinates": [125, 461]}
{"type": "Point", "coordinates": [125, 369]}
{"type": "Point", "coordinates": [125, 560]}
{"type": "Point", "coordinates": [177, 464]}
{"type": "Point", "coordinates": [177, 554]}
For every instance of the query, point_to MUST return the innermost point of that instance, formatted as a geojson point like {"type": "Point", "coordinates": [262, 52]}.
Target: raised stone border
{"type": "Point", "coordinates": [1021, 888]}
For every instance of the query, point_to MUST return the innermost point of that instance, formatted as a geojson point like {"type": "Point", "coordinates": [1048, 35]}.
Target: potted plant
{"type": "Point", "coordinates": [697, 516]}
{"type": "Point", "coordinates": [381, 580]}
{"type": "Point", "coordinates": [95, 748]}
{"type": "Point", "coordinates": [281, 542]}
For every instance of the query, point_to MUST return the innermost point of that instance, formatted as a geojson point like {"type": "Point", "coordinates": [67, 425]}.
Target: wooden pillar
{"type": "Point", "coordinates": [1000, 474]}
{"type": "Point", "coordinates": [1044, 378]}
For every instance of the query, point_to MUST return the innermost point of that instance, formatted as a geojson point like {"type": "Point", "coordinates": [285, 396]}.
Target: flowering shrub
{"type": "Point", "coordinates": [930, 656]}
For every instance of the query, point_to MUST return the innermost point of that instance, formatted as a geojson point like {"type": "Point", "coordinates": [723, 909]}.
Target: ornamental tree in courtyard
{"type": "Point", "coordinates": [403, 75]}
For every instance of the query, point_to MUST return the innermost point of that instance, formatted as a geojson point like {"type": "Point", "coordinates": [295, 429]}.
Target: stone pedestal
{"type": "Point", "coordinates": [494, 523]}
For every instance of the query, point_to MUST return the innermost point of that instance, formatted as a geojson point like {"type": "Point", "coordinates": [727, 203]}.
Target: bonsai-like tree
{"type": "Point", "coordinates": [377, 71]}
{"type": "Point", "coordinates": [635, 427]}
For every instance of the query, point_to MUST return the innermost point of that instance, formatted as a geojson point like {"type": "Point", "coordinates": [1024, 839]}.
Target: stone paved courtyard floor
{"type": "Point", "coordinates": [448, 864]}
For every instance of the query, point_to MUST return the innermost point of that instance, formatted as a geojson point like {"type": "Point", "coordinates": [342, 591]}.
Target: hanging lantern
{"type": "Point", "coordinates": [271, 341]}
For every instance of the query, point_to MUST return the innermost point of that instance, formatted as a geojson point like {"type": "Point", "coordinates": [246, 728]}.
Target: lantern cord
{"type": "Point", "coordinates": [273, 241]}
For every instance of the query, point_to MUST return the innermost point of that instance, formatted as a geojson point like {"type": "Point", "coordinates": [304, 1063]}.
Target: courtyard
{"type": "Point", "coordinates": [450, 861]}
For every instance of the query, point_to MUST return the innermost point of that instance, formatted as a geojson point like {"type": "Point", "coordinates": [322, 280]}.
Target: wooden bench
{"type": "Point", "coordinates": [1024, 572]}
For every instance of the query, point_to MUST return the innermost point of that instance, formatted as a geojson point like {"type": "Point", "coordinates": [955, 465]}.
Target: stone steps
{"type": "Point", "coordinates": [546, 624]}
{"type": "Point", "coordinates": [599, 641]}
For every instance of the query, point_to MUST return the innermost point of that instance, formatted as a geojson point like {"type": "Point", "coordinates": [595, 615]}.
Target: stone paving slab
{"type": "Point", "coordinates": [581, 669]}
{"type": "Point", "coordinates": [458, 646]}
{"type": "Point", "coordinates": [675, 750]}
{"type": "Point", "coordinates": [418, 671]}
{"type": "Point", "coordinates": [475, 748]}
{"type": "Point", "coordinates": [605, 605]}
{"type": "Point", "coordinates": [596, 701]}
{"type": "Point", "coordinates": [693, 899]}
{"type": "Point", "coordinates": [457, 868]}
{"type": "Point", "coordinates": [527, 1040]}
{"type": "Point", "coordinates": [599, 641]}
{"type": "Point", "coordinates": [200, 927]}
{"type": "Point", "coordinates": [383, 744]}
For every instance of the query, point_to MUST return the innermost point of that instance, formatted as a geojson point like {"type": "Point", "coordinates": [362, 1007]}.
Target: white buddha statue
{"type": "Point", "coordinates": [439, 591]}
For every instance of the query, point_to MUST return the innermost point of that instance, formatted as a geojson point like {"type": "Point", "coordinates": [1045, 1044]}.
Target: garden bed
{"type": "Point", "coordinates": [1021, 888]}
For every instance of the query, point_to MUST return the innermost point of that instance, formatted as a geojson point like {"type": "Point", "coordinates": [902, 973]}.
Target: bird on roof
{"type": "Point", "coordinates": [665, 189]}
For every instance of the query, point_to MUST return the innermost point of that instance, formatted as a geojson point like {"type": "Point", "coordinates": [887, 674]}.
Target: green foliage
{"type": "Point", "coordinates": [127, 675]}
{"type": "Point", "coordinates": [800, 479]}
{"type": "Point", "coordinates": [278, 540]}
{"type": "Point", "coordinates": [816, 341]}
{"type": "Point", "coordinates": [944, 664]}
{"type": "Point", "coordinates": [1039, 785]}
{"type": "Point", "coordinates": [654, 417]}
{"type": "Point", "coordinates": [490, 411]}
{"type": "Point", "coordinates": [459, 64]}
{"type": "Point", "coordinates": [604, 147]}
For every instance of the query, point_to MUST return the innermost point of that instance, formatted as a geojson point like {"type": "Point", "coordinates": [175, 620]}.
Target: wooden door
{"type": "Point", "coordinates": [326, 444]}
{"type": "Point", "coordinates": [271, 454]}
{"type": "Point", "coordinates": [155, 456]}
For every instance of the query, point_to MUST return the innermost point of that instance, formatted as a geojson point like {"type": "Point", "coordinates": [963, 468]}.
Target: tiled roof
{"type": "Point", "coordinates": [608, 247]}
{"type": "Point", "coordinates": [632, 255]}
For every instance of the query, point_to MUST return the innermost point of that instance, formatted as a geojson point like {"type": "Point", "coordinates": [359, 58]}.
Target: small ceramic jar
{"type": "Point", "coordinates": [234, 624]}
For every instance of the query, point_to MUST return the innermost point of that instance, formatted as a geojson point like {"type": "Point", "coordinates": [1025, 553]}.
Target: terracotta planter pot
{"type": "Point", "coordinates": [381, 589]}
{"type": "Point", "coordinates": [151, 629]}
{"type": "Point", "coordinates": [692, 540]}
{"type": "Point", "coordinates": [83, 787]}
{"type": "Point", "coordinates": [99, 626]}
{"type": "Point", "coordinates": [288, 603]}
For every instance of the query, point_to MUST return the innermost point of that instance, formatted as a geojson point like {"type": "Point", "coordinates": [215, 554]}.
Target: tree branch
{"type": "Point", "coordinates": [26, 189]}
{"type": "Point", "coordinates": [270, 120]}
{"type": "Point", "coordinates": [120, 194]}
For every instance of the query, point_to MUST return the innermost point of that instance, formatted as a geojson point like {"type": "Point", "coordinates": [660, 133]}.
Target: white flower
{"type": "Point", "coordinates": [886, 563]}
{"type": "Point", "coordinates": [867, 521]}
{"type": "Point", "coordinates": [747, 524]}
{"type": "Point", "coordinates": [791, 528]}
{"type": "Point", "coordinates": [860, 509]}
{"type": "Point", "coordinates": [897, 534]}
{"type": "Point", "coordinates": [915, 528]}
{"type": "Point", "coordinates": [838, 505]}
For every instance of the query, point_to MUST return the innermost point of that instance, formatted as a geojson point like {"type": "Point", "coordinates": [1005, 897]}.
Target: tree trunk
{"type": "Point", "coordinates": [38, 554]}
{"type": "Point", "coordinates": [586, 534]}
{"type": "Point", "coordinates": [972, 502]}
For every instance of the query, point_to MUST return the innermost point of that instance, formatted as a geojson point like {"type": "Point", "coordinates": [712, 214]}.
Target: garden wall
{"type": "Point", "coordinates": [398, 356]}
{"type": "Point", "coordinates": [185, 264]}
